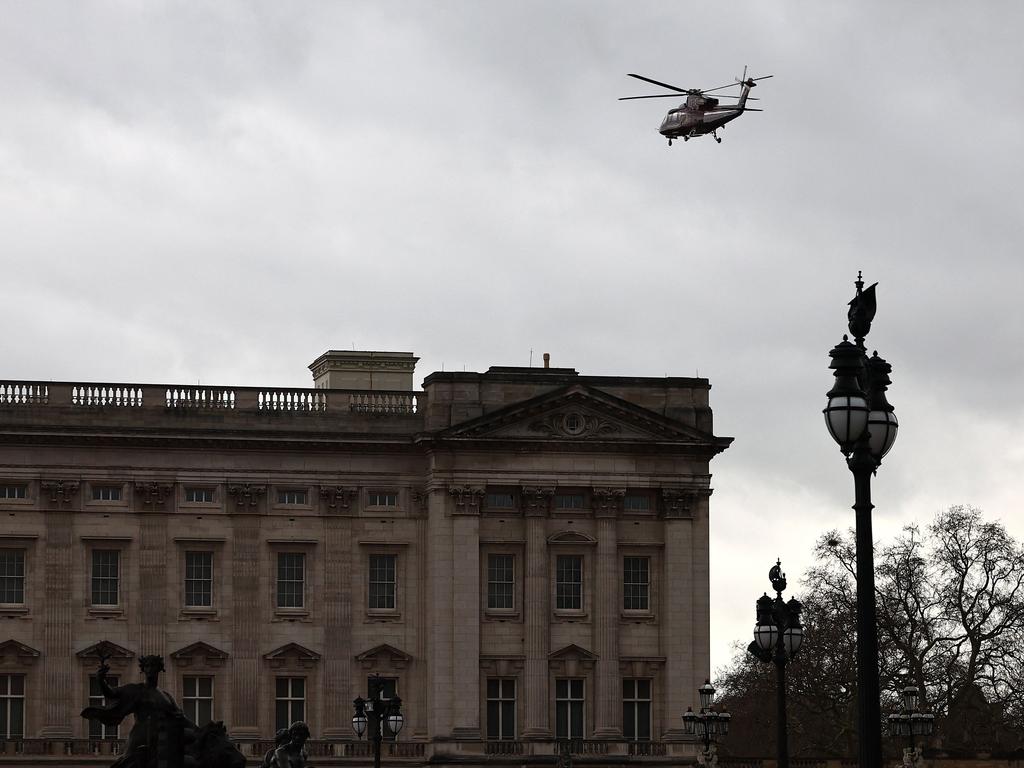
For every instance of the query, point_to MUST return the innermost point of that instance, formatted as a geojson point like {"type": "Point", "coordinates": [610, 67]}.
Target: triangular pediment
{"type": "Point", "coordinates": [292, 651]}
{"type": "Point", "coordinates": [15, 650]}
{"type": "Point", "coordinates": [579, 413]}
{"type": "Point", "coordinates": [572, 651]}
{"type": "Point", "coordinates": [384, 652]}
{"type": "Point", "coordinates": [105, 649]}
{"type": "Point", "coordinates": [199, 650]}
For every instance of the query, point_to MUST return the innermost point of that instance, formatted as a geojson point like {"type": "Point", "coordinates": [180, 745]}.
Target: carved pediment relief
{"type": "Point", "coordinates": [384, 657]}
{"type": "Point", "coordinates": [292, 656]}
{"type": "Point", "coordinates": [15, 654]}
{"type": "Point", "coordinates": [199, 654]}
{"type": "Point", "coordinates": [577, 413]}
{"type": "Point", "coordinates": [116, 656]}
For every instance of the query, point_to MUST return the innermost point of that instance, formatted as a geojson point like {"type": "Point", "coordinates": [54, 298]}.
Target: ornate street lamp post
{"type": "Point", "coordinates": [910, 722]}
{"type": "Point", "coordinates": [707, 724]}
{"type": "Point", "coordinates": [860, 419]}
{"type": "Point", "coordinates": [777, 637]}
{"type": "Point", "coordinates": [371, 713]}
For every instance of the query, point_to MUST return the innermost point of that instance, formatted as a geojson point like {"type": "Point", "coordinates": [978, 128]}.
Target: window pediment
{"type": "Point", "coordinates": [199, 654]}
{"type": "Point", "coordinates": [15, 654]}
{"type": "Point", "coordinates": [292, 656]}
{"type": "Point", "coordinates": [116, 656]}
{"type": "Point", "coordinates": [571, 537]}
{"type": "Point", "coordinates": [384, 656]}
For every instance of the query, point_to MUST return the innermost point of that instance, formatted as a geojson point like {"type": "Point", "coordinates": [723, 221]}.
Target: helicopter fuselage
{"type": "Point", "coordinates": [685, 123]}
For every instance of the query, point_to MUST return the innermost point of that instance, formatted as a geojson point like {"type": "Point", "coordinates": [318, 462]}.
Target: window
{"type": "Point", "coordinates": [199, 495]}
{"type": "Point", "coordinates": [292, 497]}
{"type": "Point", "coordinates": [636, 583]}
{"type": "Point", "coordinates": [13, 491]}
{"type": "Point", "coordinates": [199, 580]}
{"type": "Point", "coordinates": [382, 582]}
{"type": "Point", "coordinates": [290, 701]}
{"type": "Point", "coordinates": [98, 730]}
{"type": "Point", "coordinates": [291, 579]}
{"type": "Point", "coordinates": [197, 699]}
{"type": "Point", "coordinates": [379, 499]}
{"type": "Point", "coordinates": [500, 581]}
{"type": "Point", "coordinates": [106, 493]}
{"type": "Point", "coordinates": [388, 687]}
{"type": "Point", "coordinates": [569, 583]}
{"type": "Point", "coordinates": [12, 706]}
{"type": "Point", "coordinates": [12, 576]}
{"type": "Point", "coordinates": [106, 564]}
{"type": "Point", "coordinates": [636, 503]}
{"type": "Point", "coordinates": [499, 501]}
{"type": "Point", "coordinates": [568, 501]}
{"type": "Point", "coordinates": [569, 708]}
{"type": "Point", "coordinates": [501, 709]}
{"type": "Point", "coordinates": [636, 710]}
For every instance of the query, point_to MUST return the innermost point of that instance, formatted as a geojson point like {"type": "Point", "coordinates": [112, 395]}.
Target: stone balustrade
{"type": "Point", "coordinates": [172, 397]}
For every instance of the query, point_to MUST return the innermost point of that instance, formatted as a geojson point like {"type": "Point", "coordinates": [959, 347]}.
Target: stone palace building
{"type": "Point", "coordinates": [522, 554]}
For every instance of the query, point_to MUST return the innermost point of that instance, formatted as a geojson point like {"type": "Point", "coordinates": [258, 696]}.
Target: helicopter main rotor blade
{"type": "Point", "coordinates": [655, 82]}
{"type": "Point", "coordinates": [762, 77]}
{"type": "Point", "coordinates": [730, 85]}
{"type": "Point", "coordinates": [654, 96]}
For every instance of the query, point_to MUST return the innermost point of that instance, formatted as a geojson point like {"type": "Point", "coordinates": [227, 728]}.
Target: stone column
{"type": "Point", "coordinates": [537, 615]}
{"type": "Point", "coordinates": [336, 506]}
{"type": "Point", "coordinates": [246, 608]}
{"type": "Point", "coordinates": [441, 609]}
{"type": "Point", "coordinates": [151, 601]}
{"type": "Point", "coordinates": [466, 606]}
{"type": "Point", "coordinates": [608, 720]}
{"type": "Point", "coordinates": [57, 611]}
{"type": "Point", "coordinates": [679, 621]}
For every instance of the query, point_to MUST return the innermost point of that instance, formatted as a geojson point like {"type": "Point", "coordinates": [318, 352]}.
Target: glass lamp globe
{"type": "Point", "coordinates": [766, 635]}
{"type": "Point", "coordinates": [689, 722]}
{"type": "Point", "coordinates": [882, 429]}
{"type": "Point", "coordinates": [793, 638]}
{"type": "Point", "coordinates": [359, 724]}
{"type": "Point", "coordinates": [707, 694]}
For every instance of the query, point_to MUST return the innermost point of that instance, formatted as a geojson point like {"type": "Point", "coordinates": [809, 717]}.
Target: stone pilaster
{"type": "Point", "coordinates": [57, 622]}
{"type": "Point", "coordinates": [440, 567]}
{"type": "Point", "coordinates": [152, 597]}
{"type": "Point", "coordinates": [537, 614]}
{"type": "Point", "coordinates": [608, 714]}
{"type": "Point", "coordinates": [337, 607]}
{"type": "Point", "coordinates": [245, 624]}
{"type": "Point", "coordinates": [679, 625]}
{"type": "Point", "coordinates": [465, 622]}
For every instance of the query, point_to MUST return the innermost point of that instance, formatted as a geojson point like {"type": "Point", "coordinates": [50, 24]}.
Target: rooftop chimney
{"type": "Point", "coordinates": [547, 360]}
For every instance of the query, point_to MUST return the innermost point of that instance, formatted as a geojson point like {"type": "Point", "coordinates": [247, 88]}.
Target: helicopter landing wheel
{"type": "Point", "coordinates": [670, 142]}
{"type": "Point", "coordinates": [686, 138]}
{"type": "Point", "coordinates": [718, 140]}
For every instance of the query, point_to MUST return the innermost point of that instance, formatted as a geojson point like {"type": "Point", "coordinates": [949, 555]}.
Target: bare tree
{"type": "Point", "coordinates": [950, 607]}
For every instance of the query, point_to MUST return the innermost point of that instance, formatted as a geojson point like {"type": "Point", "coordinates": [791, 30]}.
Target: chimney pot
{"type": "Point", "coordinates": [547, 360]}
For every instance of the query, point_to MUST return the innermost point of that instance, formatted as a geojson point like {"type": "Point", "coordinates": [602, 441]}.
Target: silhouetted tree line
{"type": "Point", "coordinates": [950, 621]}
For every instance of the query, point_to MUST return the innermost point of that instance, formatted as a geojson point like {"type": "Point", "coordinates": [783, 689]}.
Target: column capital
{"type": "Point", "coordinates": [607, 502]}
{"type": "Point", "coordinates": [536, 500]}
{"type": "Point", "coordinates": [467, 499]}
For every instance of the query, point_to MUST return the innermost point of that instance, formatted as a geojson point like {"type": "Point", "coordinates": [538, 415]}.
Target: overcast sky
{"type": "Point", "coordinates": [220, 192]}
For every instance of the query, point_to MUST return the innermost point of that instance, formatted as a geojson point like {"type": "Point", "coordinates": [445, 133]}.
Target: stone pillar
{"type": "Point", "coordinates": [245, 611]}
{"type": "Point", "coordinates": [441, 609]}
{"type": "Point", "coordinates": [337, 607]}
{"type": "Point", "coordinates": [465, 621]}
{"type": "Point", "coordinates": [679, 624]}
{"type": "Point", "coordinates": [537, 614]}
{"type": "Point", "coordinates": [608, 720]}
{"type": "Point", "coordinates": [151, 600]}
{"type": "Point", "coordinates": [57, 611]}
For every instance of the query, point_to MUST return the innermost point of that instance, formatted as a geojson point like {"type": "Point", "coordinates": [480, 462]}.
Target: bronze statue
{"type": "Point", "coordinates": [162, 736]}
{"type": "Point", "coordinates": [158, 736]}
{"type": "Point", "coordinates": [292, 753]}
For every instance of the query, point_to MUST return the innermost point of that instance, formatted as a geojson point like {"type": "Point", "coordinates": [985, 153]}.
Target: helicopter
{"type": "Point", "coordinates": [701, 114]}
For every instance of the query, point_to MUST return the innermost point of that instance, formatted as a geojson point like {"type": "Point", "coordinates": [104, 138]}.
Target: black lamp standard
{"type": "Point", "coordinates": [707, 724]}
{"type": "Point", "coordinates": [374, 712]}
{"type": "Point", "coordinates": [777, 637]}
{"type": "Point", "coordinates": [910, 722]}
{"type": "Point", "coordinates": [860, 419]}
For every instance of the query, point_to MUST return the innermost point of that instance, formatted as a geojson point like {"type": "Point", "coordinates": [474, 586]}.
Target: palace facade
{"type": "Point", "coordinates": [521, 554]}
